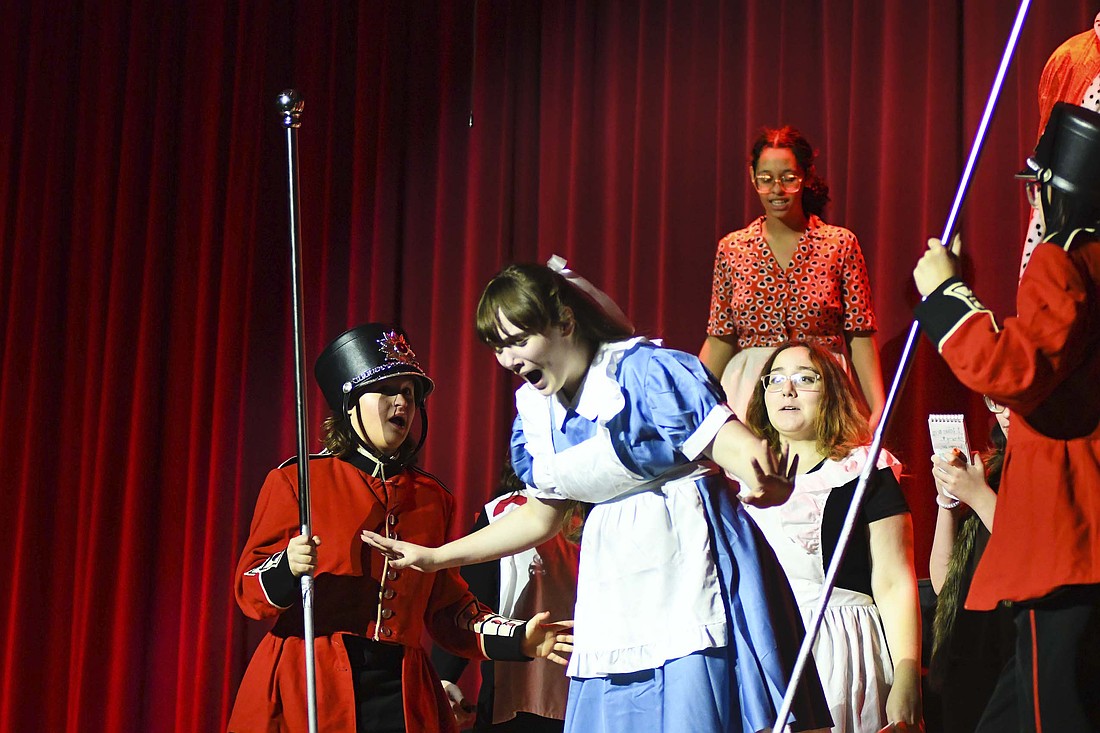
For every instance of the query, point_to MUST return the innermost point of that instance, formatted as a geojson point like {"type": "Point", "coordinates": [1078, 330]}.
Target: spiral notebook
{"type": "Point", "coordinates": [948, 432]}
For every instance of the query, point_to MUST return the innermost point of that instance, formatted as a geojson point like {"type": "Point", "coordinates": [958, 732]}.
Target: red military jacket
{"type": "Point", "coordinates": [355, 592]}
{"type": "Point", "coordinates": [1045, 365]}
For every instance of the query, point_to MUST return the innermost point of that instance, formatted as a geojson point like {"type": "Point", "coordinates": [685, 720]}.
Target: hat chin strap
{"type": "Point", "coordinates": [385, 467]}
{"type": "Point", "coordinates": [1044, 176]}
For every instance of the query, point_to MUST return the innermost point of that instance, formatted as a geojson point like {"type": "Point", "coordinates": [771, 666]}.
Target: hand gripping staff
{"type": "Point", "coordinates": [899, 380]}
{"type": "Point", "coordinates": [290, 108]}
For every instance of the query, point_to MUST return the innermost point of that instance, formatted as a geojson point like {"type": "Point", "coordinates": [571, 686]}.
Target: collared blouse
{"type": "Point", "coordinates": [823, 295]}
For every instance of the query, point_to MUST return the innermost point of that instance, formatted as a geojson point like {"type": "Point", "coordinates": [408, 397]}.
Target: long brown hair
{"type": "Point", "coordinates": [841, 423]}
{"type": "Point", "coordinates": [534, 298]}
{"type": "Point", "coordinates": [338, 435]}
{"type": "Point", "coordinates": [956, 581]}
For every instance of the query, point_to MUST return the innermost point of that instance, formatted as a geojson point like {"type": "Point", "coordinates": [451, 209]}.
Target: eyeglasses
{"type": "Point", "coordinates": [788, 182]}
{"type": "Point", "coordinates": [1032, 190]}
{"type": "Point", "coordinates": [993, 406]}
{"type": "Point", "coordinates": [802, 381]}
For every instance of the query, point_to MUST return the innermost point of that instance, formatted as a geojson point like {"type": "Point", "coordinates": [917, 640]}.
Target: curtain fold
{"type": "Point", "coordinates": [146, 354]}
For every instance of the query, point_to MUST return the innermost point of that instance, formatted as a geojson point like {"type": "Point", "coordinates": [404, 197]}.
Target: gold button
{"type": "Point", "coordinates": [391, 574]}
{"type": "Point", "coordinates": [392, 519]}
{"type": "Point", "coordinates": [389, 593]}
{"type": "Point", "coordinates": [386, 631]}
{"type": "Point", "coordinates": [387, 612]}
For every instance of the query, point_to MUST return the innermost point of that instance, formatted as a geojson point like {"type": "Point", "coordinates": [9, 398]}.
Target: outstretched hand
{"type": "Point", "coordinates": [402, 554]}
{"type": "Point", "coordinates": [774, 482]}
{"type": "Point", "coordinates": [548, 640]}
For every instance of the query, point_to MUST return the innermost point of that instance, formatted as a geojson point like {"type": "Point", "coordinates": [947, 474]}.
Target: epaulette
{"type": "Point", "coordinates": [294, 459]}
{"type": "Point", "coordinates": [432, 476]}
{"type": "Point", "coordinates": [1066, 239]}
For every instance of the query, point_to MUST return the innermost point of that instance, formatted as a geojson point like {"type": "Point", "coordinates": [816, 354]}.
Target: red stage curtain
{"type": "Point", "coordinates": [146, 380]}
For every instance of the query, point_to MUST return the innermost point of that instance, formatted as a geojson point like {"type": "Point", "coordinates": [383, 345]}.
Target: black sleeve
{"type": "Point", "coordinates": [507, 648]}
{"type": "Point", "coordinates": [945, 308]}
{"type": "Point", "coordinates": [279, 583]}
{"type": "Point", "coordinates": [884, 497]}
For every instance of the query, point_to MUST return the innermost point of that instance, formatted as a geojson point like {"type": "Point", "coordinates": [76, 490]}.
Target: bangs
{"type": "Point", "coordinates": [488, 326]}
{"type": "Point", "coordinates": [506, 296]}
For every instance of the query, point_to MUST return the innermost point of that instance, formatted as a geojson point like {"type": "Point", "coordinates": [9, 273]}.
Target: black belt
{"type": "Point", "coordinates": [371, 654]}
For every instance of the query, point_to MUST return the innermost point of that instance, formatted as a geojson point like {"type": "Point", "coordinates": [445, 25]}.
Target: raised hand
{"type": "Point", "coordinates": [936, 265]}
{"type": "Point", "coordinates": [548, 640]}
{"type": "Point", "coordinates": [956, 479]}
{"type": "Point", "coordinates": [402, 554]}
{"type": "Point", "coordinates": [774, 483]}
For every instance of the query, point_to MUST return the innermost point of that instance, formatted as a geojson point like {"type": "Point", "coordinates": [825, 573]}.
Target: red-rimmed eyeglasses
{"type": "Point", "coordinates": [788, 182]}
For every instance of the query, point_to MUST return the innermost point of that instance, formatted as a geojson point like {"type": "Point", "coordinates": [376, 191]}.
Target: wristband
{"type": "Point", "coordinates": [948, 505]}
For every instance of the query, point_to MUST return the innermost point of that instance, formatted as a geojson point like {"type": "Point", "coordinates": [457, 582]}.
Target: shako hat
{"type": "Point", "coordinates": [1067, 156]}
{"type": "Point", "coordinates": [362, 356]}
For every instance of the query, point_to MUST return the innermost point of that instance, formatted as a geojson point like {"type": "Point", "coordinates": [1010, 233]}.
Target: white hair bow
{"type": "Point", "coordinates": [601, 299]}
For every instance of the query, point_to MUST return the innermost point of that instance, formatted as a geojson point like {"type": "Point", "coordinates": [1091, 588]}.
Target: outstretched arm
{"type": "Point", "coordinates": [523, 528]}
{"type": "Point", "coordinates": [769, 478]}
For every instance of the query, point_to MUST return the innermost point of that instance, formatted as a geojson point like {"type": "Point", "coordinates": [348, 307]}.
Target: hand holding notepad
{"type": "Point", "coordinates": [948, 433]}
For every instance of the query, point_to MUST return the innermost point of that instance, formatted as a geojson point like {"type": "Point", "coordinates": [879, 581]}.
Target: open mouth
{"type": "Point", "coordinates": [534, 376]}
{"type": "Point", "coordinates": [399, 421]}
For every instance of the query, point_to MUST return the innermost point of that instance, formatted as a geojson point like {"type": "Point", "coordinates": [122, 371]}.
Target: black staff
{"type": "Point", "coordinates": [290, 107]}
{"type": "Point", "coordinates": [899, 379]}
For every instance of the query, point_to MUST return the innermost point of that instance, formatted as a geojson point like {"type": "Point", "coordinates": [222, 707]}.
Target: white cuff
{"type": "Point", "coordinates": [698, 441]}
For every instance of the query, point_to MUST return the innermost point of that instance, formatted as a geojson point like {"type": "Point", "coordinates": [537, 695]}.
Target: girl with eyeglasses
{"type": "Point", "coordinates": [789, 276]}
{"type": "Point", "coordinates": [970, 648]}
{"type": "Point", "coordinates": [868, 649]}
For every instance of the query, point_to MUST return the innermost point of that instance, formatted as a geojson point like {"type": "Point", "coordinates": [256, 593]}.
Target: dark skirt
{"type": "Point", "coordinates": [376, 675]}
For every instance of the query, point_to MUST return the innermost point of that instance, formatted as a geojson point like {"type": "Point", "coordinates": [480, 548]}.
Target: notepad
{"type": "Point", "coordinates": [948, 432]}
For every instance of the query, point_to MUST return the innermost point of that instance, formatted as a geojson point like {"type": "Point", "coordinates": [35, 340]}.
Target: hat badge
{"type": "Point", "coordinates": [394, 347]}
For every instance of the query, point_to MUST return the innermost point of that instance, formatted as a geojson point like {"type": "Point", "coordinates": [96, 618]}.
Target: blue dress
{"type": "Point", "coordinates": [684, 620]}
